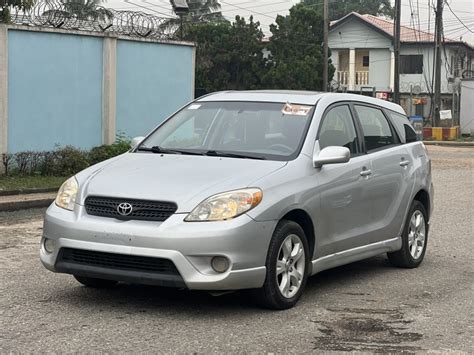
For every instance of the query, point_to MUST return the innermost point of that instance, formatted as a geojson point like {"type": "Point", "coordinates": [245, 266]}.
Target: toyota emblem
{"type": "Point", "coordinates": [124, 209]}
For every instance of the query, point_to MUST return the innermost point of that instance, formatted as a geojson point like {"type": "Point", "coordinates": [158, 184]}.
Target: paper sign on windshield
{"type": "Point", "coordinates": [295, 110]}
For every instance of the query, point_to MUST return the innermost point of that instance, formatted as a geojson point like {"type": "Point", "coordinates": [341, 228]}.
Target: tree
{"type": "Point", "coordinates": [296, 59]}
{"type": "Point", "coordinates": [229, 55]}
{"type": "Point", "coordinates": [17, 5]}
{"type": "Point", "coordinates": [340, 8]}
{"type": "Point", "coordinates": [86, 10]}
{"type": "Point", "coordinates": [199, 11]}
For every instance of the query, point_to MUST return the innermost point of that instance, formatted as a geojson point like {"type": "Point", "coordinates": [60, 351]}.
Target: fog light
{"type": "Point", "coordinates": [49, 245]}
{"type": "Point", "coordinates": [220, 264]}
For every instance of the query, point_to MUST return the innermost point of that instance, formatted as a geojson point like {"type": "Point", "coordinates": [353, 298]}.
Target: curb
{"type": "Point", "coordinates": [27, 191]}
{"type": "Point", "coordinates": [449, 143]}
{"type": "Point", "coordinates": [25, 201]}
{"type": "Point", "coordinates": [22, 205]}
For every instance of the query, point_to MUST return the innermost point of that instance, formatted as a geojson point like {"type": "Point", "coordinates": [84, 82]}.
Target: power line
{"type": "Point", "coordinates": [449, 7]}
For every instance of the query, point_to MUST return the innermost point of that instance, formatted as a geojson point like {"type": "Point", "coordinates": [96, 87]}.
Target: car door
{"type": "Point", "coordinates": [345, 207]}
{"type": "Point", "coordinates": [390, 183]}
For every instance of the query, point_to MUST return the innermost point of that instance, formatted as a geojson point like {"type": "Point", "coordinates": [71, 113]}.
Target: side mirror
{"type": "Point", "coordinates": [331, 155]}
{"type": "Point", "coordinates": [136, 141]}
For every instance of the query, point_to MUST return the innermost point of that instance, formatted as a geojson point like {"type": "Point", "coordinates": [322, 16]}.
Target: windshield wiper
{"type": "Point", "coordinates": [160, 150]}
{"type": "Point", "coordinates": [217, 153]}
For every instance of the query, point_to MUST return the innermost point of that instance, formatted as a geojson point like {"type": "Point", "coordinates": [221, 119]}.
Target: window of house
{"type": "Point", "coordinates": [411, 64]}
{"type": "Point", "coordinates": [365, 61]}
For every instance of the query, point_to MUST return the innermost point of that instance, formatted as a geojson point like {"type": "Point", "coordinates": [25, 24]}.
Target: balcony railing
{"type": "Point", "coordinates": [361, 77]}
{"type": "Point", "coordinates": [343, 77]}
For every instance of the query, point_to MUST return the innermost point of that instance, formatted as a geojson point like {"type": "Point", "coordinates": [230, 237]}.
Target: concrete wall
{"type": "Point", "coordinates": [54, 90]}
{"type": "Point", "coordinates": [467, 106]}
{"type": "Point", "coordinates": [146, 97]}
{"type": "Point", "coordinates": [67, 87]}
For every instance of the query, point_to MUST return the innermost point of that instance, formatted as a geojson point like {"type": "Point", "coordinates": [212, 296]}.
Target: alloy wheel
{"type": "Point", "coordinates": [416, 234]}
{"type": "Point", "coordinates": [290, 266]}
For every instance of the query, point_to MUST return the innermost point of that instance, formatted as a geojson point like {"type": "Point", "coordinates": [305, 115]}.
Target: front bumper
{"type": "Point", "coordinates": [189, 245]}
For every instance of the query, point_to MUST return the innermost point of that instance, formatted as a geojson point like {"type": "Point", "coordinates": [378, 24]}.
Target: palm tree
{"type": "Point", "coordinates": [199, 11]}
{"type": "Point", "coordinates": [18, 5]}
{"type": "Point", "coordinates": [86, 9]}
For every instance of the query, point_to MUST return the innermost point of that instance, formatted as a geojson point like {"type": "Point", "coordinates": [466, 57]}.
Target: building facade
{"type": "Point", "coordinates": [362, 53]}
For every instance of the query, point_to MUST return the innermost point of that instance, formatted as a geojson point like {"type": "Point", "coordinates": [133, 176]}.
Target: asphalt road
{"type": "Point", "coordinates": [365, 306]}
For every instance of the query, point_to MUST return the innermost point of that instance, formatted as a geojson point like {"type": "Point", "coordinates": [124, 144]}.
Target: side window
{"type": "Point", "coordinates": [377, 131]}
{"type": "Point", "coordinates": [338, 129]}
{"type": "Point", "coordinates": [404, 127]}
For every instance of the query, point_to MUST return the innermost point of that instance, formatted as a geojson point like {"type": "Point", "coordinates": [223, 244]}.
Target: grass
{"type": "Point", "coordinates": [8, 183]}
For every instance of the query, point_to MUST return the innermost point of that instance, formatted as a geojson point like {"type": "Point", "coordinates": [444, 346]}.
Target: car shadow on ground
{"type": "Point", "coordinates": [152, 298]}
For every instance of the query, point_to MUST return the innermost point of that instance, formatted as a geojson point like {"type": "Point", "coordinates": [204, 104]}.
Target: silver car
{"type": "Point", "coordinates": [248, 190]}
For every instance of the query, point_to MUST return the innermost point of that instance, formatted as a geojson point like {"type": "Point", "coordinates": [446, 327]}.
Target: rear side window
{"type": "Point", "coordinates": [403, 126]}
{"type": "Point", "coordinates": [338, 129]}
{"type": "Point", "coordinates": [377, 131]}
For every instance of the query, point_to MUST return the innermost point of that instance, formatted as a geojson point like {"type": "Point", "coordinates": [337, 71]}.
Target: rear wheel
{"type": "Point", "coordinates": [95, 283]}
{"type": "Point", "coordinates": [287, 266]}
{"type": "Point", "coordinates": [414, 238]}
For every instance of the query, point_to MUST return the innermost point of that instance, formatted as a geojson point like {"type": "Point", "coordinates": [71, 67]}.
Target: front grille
{"type": "Point", "coordinates": [141, 209]}
{"type": "Point", "coordinates": [117, 261]}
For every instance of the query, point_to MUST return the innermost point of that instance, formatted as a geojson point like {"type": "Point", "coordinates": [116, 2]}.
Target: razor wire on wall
{"type": "Point", "coordinates": [73, 16]}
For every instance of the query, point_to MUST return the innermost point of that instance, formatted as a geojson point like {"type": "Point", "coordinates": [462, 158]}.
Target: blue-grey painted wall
{"type": "Point", "coordinates": [153, 81]}
{"type": "Point", "coordinates": [54, 90]}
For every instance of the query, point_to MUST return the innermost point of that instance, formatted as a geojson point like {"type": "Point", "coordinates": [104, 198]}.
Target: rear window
{"type": "Point", "coordinates": [403, 127]}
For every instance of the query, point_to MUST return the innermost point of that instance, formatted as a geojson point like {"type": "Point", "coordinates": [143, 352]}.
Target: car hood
{"type": "Point", "coordinates": [183, 179]}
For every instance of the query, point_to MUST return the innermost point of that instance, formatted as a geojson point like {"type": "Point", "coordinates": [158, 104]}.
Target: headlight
{"type": "Point", "coordinates": [226, 205]}
{"type": "Point", "coordinates": [67, 194]}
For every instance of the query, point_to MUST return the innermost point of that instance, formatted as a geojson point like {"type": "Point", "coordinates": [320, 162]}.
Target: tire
{"type": "Point", "coordinates": [412, 252]}
{"type": "Point", "coordinates": [295, 270]}
{"type": "Point", "coordinates": [95, 283]}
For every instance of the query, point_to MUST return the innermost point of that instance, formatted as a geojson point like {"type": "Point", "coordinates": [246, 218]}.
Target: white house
{"type": "Point", "coordinates": [362, 52]}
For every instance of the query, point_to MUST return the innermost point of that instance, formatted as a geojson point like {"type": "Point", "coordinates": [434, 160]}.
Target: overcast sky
{"type": "Point", "coordinates": [265, 11]}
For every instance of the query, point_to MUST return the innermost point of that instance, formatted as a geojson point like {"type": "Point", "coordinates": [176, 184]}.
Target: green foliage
{"type": "Point", "coordinates": [86, 9]}
{"type": "Point", "coordinates": [229, 55]}
{"type": "Point", "coordinates": [104, 152]}
{"type": "Point", "coordinates": [63, 161]}
{"type": "Point", "coordinates": [296, 60]}
{"type": "Point", "coordinates": [18, 5]}
{"type": "Point", "coordinates": [200, 11]}
{"type": "Point", "coordinates": [340, 8]}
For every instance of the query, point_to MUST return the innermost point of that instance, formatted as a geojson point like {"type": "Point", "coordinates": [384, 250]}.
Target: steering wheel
{"type": "Point", "coordinates": [276, 146]}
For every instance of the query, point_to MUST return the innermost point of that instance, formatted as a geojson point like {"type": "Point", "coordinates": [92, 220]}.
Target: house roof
{"type": "Point", "coordinates": [407, 34]}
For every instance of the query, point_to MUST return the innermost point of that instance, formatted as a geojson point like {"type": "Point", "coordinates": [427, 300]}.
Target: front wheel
{"type": "Point", "coordinates": [288, 263]}
{"type": "Point", "coordinates": [414, 238]}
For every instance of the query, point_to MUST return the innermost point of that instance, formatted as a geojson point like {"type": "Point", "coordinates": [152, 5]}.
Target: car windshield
{"type": "Point", "coordinates": [273, 131]}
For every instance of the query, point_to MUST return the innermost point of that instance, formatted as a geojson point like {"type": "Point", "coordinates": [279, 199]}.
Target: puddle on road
{"type": "Point", "coordinates": [370, 330]}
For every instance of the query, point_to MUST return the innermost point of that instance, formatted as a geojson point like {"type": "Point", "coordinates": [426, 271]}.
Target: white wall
{"type": "Point", "coordinates": [379, 69]}
{"type": "Point", "coordinates": [355, 34]}
{"type": "Point", "coordinates": [419, 79]}
{"type": "Point", "coordinates": [467, 106]}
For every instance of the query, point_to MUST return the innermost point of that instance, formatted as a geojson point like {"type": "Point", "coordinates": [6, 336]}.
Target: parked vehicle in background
{"type": "Point", "coordinates": [248, 190]}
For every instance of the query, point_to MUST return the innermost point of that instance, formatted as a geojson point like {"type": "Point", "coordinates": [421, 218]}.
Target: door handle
{"type": "Point", "coordinates": [404, 163]}
{"type": "Point", "coordinates": [365, 172]}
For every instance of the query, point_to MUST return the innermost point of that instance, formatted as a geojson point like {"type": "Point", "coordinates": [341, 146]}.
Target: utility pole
{"type": "Point", "coordinates": [325, 45]}
{"type": "Point", "coordinates": [396, 50]}
{"type": "Point", "coordinates": [437, 86]}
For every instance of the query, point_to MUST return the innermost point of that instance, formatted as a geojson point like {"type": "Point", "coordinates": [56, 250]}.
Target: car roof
{"type": "Point", "coordinates": [295, 97]}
